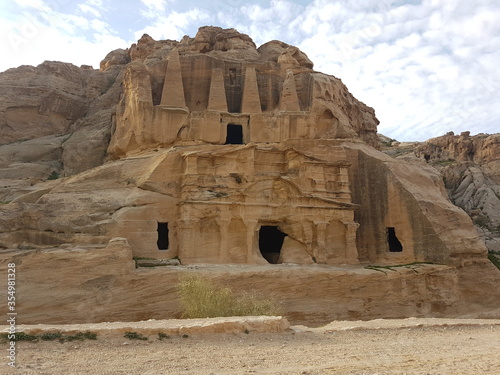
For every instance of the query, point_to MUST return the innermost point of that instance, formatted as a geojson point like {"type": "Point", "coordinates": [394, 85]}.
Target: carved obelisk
{"type": "Point", "coordinates": [217, 97]}
{"type": "Point", "coordinates": [289, 100]}
{"type": "Point", "coordinates": [250, 102]}
{"type": "Point", "coordinates": [173, 89]}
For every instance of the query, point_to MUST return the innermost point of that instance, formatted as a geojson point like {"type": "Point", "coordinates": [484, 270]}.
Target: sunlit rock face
{"type": "Point", "coordinates": [210, 150]}
{"type": "Point", "coordinates": [221, 152]}
{"type": "Point", "coordinates": [202, 90]}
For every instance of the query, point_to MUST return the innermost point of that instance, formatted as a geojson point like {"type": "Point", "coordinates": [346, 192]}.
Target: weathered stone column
{"type": "Point", "coordinates": [185, 238]}
{"type": "Point", "coordinates": [251, 237]}
{"type": "Point", "coordinates": [224, 243]}
{"type": "Point", "coordinates": [351, 251]}
{"type": "Point", "coordinates": [320, 250]}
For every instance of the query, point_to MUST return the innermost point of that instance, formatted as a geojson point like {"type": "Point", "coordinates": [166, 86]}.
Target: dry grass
{"type": "Point", "coordinates": [201, 298]}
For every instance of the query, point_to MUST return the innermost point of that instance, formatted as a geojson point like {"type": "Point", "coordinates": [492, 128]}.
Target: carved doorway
{"type": "Point", "coordinates": [395, 245]}
{"type": "Point", "coordinates": [234, 134]}
{"type": "Point", "coordinates": [271, 242]}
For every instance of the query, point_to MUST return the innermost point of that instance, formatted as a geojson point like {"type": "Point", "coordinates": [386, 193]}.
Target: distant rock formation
{"type": "Point", "coordinates": [470, 168]}
{"type": "Point", "coordinates": [56, 118]}
{"type": "Point", "coordinates": [213, 151]}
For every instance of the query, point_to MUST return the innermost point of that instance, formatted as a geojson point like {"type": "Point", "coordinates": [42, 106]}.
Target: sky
{"type": "Point", "coordinates": [427, 67]}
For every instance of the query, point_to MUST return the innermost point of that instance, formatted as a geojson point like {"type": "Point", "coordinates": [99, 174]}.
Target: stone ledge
{"type": "Point", "coordinates": [256, 324]}
{"type": "Point", "coordinates": [378, 324]}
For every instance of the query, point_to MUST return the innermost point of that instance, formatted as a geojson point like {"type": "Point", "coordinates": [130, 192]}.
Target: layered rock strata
{"type": "Point", "coordinates": [217, 152]}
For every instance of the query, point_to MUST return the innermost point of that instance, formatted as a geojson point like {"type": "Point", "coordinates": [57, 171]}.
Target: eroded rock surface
{"type": "Point", "coordinates": [54, 118]}
{"type": "Point", "coordinates": [470, 168]}
{"type": "Point", "coordinates": [212, 151]}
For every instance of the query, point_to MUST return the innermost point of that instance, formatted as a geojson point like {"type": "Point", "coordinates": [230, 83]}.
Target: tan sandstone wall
{"type": "Point", "coordinates": [410, 198]}
{"type": "Point", "coordinates": [101, 284]}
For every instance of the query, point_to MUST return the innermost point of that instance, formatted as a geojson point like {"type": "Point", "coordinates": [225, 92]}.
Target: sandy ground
{"type": "Point", "coordinates": [416, 346]}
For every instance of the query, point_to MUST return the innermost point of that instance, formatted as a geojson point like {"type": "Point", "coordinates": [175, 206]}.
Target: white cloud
{"type": "Point", "coordinates": [172, 25]}
{"type": "Point", "coordinates": [420, 84]}
{"type": "Point", "coordinates": [86, 8]}
{"type": "Point", "coordinates": [278, 21]}
{"type": "Point", "coordinates": [37, 4]}
{"type": "Point", "coordinates": [158, 5]}
{"type": "Point", "coordinates": [153, 7]}
{"type": "Point", "coordinates": [42, 33]}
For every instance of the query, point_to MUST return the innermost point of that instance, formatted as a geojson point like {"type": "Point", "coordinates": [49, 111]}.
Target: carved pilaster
{"type": "Point", "coordinates": [351, 252]}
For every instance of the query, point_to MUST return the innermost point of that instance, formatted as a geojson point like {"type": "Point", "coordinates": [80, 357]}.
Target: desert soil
{"type": "Point", "coordinates": [376, 347]}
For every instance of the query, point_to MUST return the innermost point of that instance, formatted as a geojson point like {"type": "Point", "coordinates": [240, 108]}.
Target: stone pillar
{"type": "Point", "coordinates": [173, 88]}
{"type": "Point", "coordinates": [185, 238]}
{"type": "Point", "coordinates": [289, 100]}
{"type": "Point", "coordinates": [250, 102]}
{"type": "Point", "coordinates": [251, 234]}
{"type": "Point", "coordinates": [319, 253]}
{"type": "Point", "coordinates": [351, 251]}
{"type": "Point", "coordinates": [224, 243]}
{"type": "Point", "coordinates": [309, 238]}
{"type": "Point", "coordinates": [217, 97]}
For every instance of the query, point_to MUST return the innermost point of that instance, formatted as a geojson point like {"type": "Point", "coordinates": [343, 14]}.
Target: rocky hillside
{"type": "Point", "coordinates": [470, 166]}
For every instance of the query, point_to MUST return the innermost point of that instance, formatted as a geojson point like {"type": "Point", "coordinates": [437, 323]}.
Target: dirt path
{"type": "Point", "coordinates": [376, 347]}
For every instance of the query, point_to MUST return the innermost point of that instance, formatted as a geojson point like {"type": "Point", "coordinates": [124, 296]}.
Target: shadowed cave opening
{"type": "Point", "coordinates": [395, 245]}
{"type": "Point", "coordinates": [234, 134]}
{"type": "Point", "coordinates": [270, 242]}
{"type": "Point", "coordinates": [162, 242]}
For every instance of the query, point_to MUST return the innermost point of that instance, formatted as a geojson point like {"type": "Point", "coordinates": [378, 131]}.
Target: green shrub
{"type": "Point", "coordinates": [50, 336]}
{"type": "Point", "coordinates": [200, 298]}
{"type": "Point", "coordinates": [18, 336]}
{"type": "Point", "coordinates": [80, 336]}
{"type": "Point", "coordinates": [163, 336]}
{"type": "Point", "coordinates": [21, 336]}
{"type": "Point", "coordinates": [134, 336]}
{"type": "Point", "coordinates": [54, 176]}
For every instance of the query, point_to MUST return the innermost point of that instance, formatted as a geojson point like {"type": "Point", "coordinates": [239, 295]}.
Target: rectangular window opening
{"type": "Point", "coordinates": [162, 242]}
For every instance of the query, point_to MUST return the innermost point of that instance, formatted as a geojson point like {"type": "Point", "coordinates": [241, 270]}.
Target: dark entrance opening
{"type": "Point", "coordinates": [162, 242]}
{"type": "Point", "coordinates": [270, 242]}
{"type": "Point", "coordinates": [234, 134]}
{"type": "Point", "coordinates": [394, 245]}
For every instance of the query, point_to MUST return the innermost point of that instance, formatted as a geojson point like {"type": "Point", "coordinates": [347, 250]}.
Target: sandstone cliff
{"type": "Point", "coordinates": [213, 151]}
{"type": "Point", "coordinates": [55, 117]}
{"type": "Point", "coordinates": [470, 168]}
